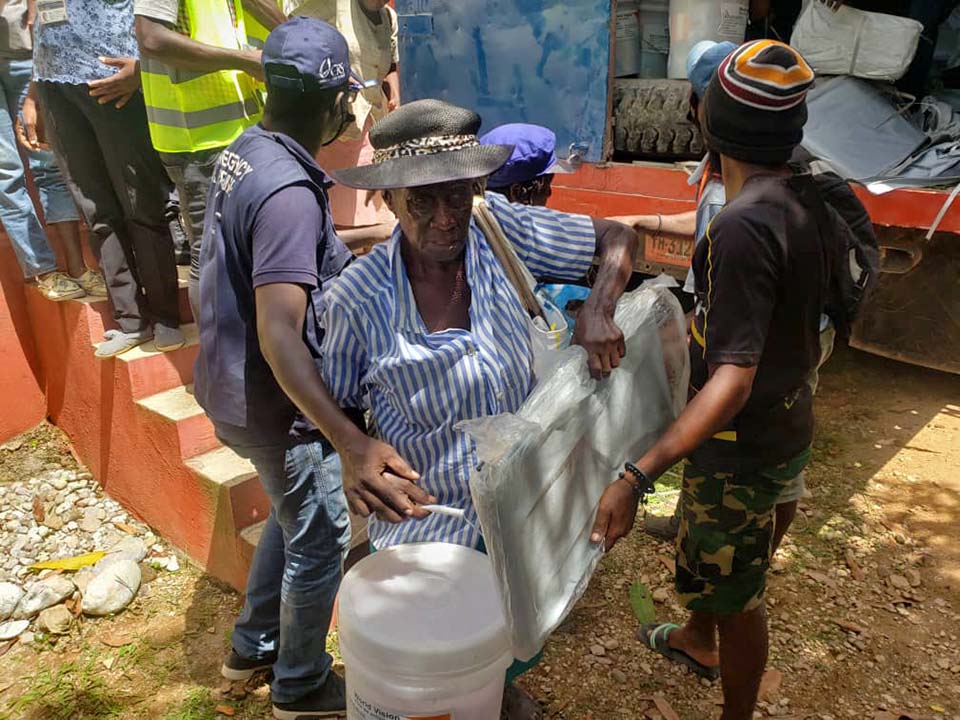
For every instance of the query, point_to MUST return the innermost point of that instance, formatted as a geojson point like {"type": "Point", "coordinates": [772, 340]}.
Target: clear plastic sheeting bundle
{"type": "Point", "coordinates": [544, 468]}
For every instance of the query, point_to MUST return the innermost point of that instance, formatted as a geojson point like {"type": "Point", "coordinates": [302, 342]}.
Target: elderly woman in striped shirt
{"type": "Point", "coordinates": [427, 331]}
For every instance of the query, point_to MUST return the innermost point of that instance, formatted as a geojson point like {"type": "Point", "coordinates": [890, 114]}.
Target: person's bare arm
{"type": "Point", "coordinates": [31, 17]}
{"type": "Point", "coordinates": [722, 397]}
{"type": "Point", "coordinates": [29, 126]}
{"type": "Point", "coordinates": [682, 225]}
{"type": "Point", "coordinates": [391, 88]}
{"type": "Point", "coordinates": [595, 329]}
{"type": "Point", "coordinates": [376, 479]}
{"type": "Point", "coordinates": [170, 47]}
{"type": "Point", "coordinates": [267, 12]}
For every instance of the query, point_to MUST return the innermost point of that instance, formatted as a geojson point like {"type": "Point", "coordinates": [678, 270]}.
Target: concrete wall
{"type": "Point", "coordinates": [22, 401]}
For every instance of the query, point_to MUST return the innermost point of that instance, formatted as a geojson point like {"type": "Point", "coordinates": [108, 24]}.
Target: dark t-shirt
{"type": "Point", "coordinates": [267, 222]}
{"type": "Point", "coordinates": [761, 279]}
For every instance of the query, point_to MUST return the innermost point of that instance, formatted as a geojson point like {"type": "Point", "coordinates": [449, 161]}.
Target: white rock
{"type": "Point", "coordinates": [170, 563]}
{"type": "Point", "coordinates": [112, 589]}
{"type": "Point", "coordinates": [132, 548]}
{"type": "Point", "coordinates": [10, 595]}
{"type": "Point", "coordinates": [82, 579]}
{"type": "Point", "coordinates": [43, 594]}
{"type": "Point", "coordinates": [12, 628]}
{"type": "Point", "coordinates": [90, 522]}
{"type": "Point", "coordinates": [57, 480]}
{"type": "Point", "coordinates": [56, 620]}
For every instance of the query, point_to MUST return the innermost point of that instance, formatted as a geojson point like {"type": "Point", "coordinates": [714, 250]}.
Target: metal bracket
{"type": "Point", "coordinates": [576, 152]}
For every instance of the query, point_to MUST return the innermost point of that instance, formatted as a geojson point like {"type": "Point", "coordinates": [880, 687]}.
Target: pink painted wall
{"type": "Point", "coordinates": [22, 401]}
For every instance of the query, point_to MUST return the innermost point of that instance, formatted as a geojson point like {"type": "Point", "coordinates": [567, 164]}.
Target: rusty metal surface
{"type": "Point", "coordinates": [914, 316]}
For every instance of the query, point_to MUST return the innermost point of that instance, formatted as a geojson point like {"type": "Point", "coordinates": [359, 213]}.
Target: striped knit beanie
{"type": "Point", "coordinates": [756, 104]}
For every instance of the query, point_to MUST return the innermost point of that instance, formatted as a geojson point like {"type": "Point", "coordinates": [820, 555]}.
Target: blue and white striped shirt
{"type": "Point", "coordinates": [378, 354]}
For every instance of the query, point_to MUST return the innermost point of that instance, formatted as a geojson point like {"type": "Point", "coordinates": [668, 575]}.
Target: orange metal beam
{"type": "Point", "coordinates": [641, 188]}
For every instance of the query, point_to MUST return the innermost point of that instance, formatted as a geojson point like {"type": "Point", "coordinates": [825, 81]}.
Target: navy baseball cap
{"type": "Point", "coordinates": [702, 62]}
{"type": "Point", "coordinates": [534, 154]}
{"type": "Point", "coordinates": [307, 54]}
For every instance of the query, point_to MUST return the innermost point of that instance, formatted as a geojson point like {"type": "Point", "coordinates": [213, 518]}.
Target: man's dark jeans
{"type": "Point", "coordinates": [122, 190]}
{"type": "Point", "coordinates": [298, 563]}
{"type": "Point", "coordinates": [191, 173]}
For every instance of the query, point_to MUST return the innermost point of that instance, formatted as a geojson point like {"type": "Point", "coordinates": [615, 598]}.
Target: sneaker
{"type": "Point", "coordinates": [92, 283]}
{"type": "Point", "coordinates": [326, 702]}
{"type": "Point", "coordinates": [237, 667]}
{"type": "Point", "coordinates": [168, 338]}
{"type": "Point", "coordinates": [59, 287]}
{"type": "Point", "coordinates": [519, 705]}
{"type": "Point", "coordinates": [117, 342]}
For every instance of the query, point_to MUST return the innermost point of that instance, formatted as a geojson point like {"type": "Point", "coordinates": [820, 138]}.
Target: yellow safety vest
{"type": "Point", "coordinates": [189, 111]}
{"type": "Point", "coordinates": [256, 33]}
{"type": "Point", "coordinates": [257, 36]}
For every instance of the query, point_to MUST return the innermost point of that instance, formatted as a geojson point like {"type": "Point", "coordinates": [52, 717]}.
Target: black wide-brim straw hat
{"type": "Point", "coordinates": [424, 143]}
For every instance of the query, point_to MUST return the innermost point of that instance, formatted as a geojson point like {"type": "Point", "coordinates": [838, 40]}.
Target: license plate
{"type": "Point", "coordinates": [669, 251]}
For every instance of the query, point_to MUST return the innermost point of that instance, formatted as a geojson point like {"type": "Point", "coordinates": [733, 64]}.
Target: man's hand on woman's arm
{"type": "Point", "coordinates": [375, 478]}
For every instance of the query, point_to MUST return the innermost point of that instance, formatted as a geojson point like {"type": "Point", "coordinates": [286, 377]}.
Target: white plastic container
{"type": "Point", "coordinates": [654, 38]}
{"type": "Point", "coordinates": [423, 636]}
{"type": "Point", "coordinates": [694, 20]}
{"type": "Point", "coordinates": [627, 45]}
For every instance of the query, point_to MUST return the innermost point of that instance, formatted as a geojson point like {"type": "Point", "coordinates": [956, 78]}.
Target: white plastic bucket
{"type": "Point", "coordinates": [627, 45]}
{"type": "Point", "coordinates": [694, 20]}
{"type": "Point", "coordinates": [654, 38]}
{"type": "Point", "coordinates": [423, 636]}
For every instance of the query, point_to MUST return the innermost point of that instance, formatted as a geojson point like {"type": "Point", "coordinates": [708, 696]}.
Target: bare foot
{"type": "Point", "coordinates": [703, 652]}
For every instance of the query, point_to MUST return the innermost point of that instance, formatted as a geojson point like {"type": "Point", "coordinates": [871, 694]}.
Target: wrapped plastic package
{"type": "Point", "coordinates": [848, 41]}
{"type": "Point", "coordinates": [543, 469]}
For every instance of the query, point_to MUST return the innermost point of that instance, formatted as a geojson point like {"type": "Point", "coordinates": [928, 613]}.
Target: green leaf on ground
{"type": "Point", "coordinates": [642, 603]}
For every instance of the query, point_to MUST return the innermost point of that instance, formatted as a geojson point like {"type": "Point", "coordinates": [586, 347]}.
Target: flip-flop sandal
{"type": "Point", "coordinates": [655, 636]}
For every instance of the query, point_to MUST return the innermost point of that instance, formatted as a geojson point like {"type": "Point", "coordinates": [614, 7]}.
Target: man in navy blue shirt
{"type": "Point", "coordinates": [269, 253]}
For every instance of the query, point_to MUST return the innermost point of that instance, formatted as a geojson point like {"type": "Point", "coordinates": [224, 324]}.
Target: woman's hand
{"type": "Point", "coordinates": [377, 480]}
{"type": "Point", "coordinates": [598, 334]}
{"type": "Point", "coordinates": [615, 515]}
{"type": "Point", "coordinates": [30, 131]}
{"type": "Point", "coordinates": [120, 86]}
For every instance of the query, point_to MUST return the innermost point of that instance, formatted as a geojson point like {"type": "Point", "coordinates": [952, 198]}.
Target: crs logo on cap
{"type": "Point", "coordinates": [330, 70]}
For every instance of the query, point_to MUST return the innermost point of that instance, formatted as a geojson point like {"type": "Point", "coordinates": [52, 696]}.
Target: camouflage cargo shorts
{"type": "Point", "coordinates": [726, 530]}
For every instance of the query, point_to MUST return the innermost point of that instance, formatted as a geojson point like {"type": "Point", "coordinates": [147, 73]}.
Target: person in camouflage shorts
{"type": "Point", "coordinates": [726, 535]}
{"type": "Point", "coordinates": [762, 278]}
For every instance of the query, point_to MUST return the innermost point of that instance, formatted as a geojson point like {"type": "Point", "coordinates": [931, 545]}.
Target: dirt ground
{"type": "Point", "coordinates": [864, 600]}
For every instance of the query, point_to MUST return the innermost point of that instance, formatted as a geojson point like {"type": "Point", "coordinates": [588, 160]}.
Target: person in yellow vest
{"type": "Point", "coordinates": [201, 82]}
{"type": "Point", "coordinates": [370, 27]}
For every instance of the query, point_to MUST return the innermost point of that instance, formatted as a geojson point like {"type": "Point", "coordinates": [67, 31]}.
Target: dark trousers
{"type": "Point", "coordinates": [191, 173]}
{"type": "Point", "coordinates": [932, 13]}
{"type": "Point", "coordinates": [297, 567]}
{"type": "Point", "coordinates": [122, 190]}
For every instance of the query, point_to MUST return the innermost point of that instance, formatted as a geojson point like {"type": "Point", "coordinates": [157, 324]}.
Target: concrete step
{"type": "Point", "coordinates": [152, 372]}
{"type": "Point", "coordinates": [157, 457]}
{"type": "Point", "coordinates": [237, 480]}
{"type": "Point", "coordinates": [179, 409]}
{"type": "Point", "coordinates": [249, 537]}
{"type": "Point", "coordinates": [103, 319]}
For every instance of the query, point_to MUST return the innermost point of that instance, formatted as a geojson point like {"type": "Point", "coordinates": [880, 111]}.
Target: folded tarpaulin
{"type": "Point", "coordinates": [544, 468]}
{"type": "Point", "coordinates": [858, 130]}
{"type": "Point", "coordinates": [855, 42]}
